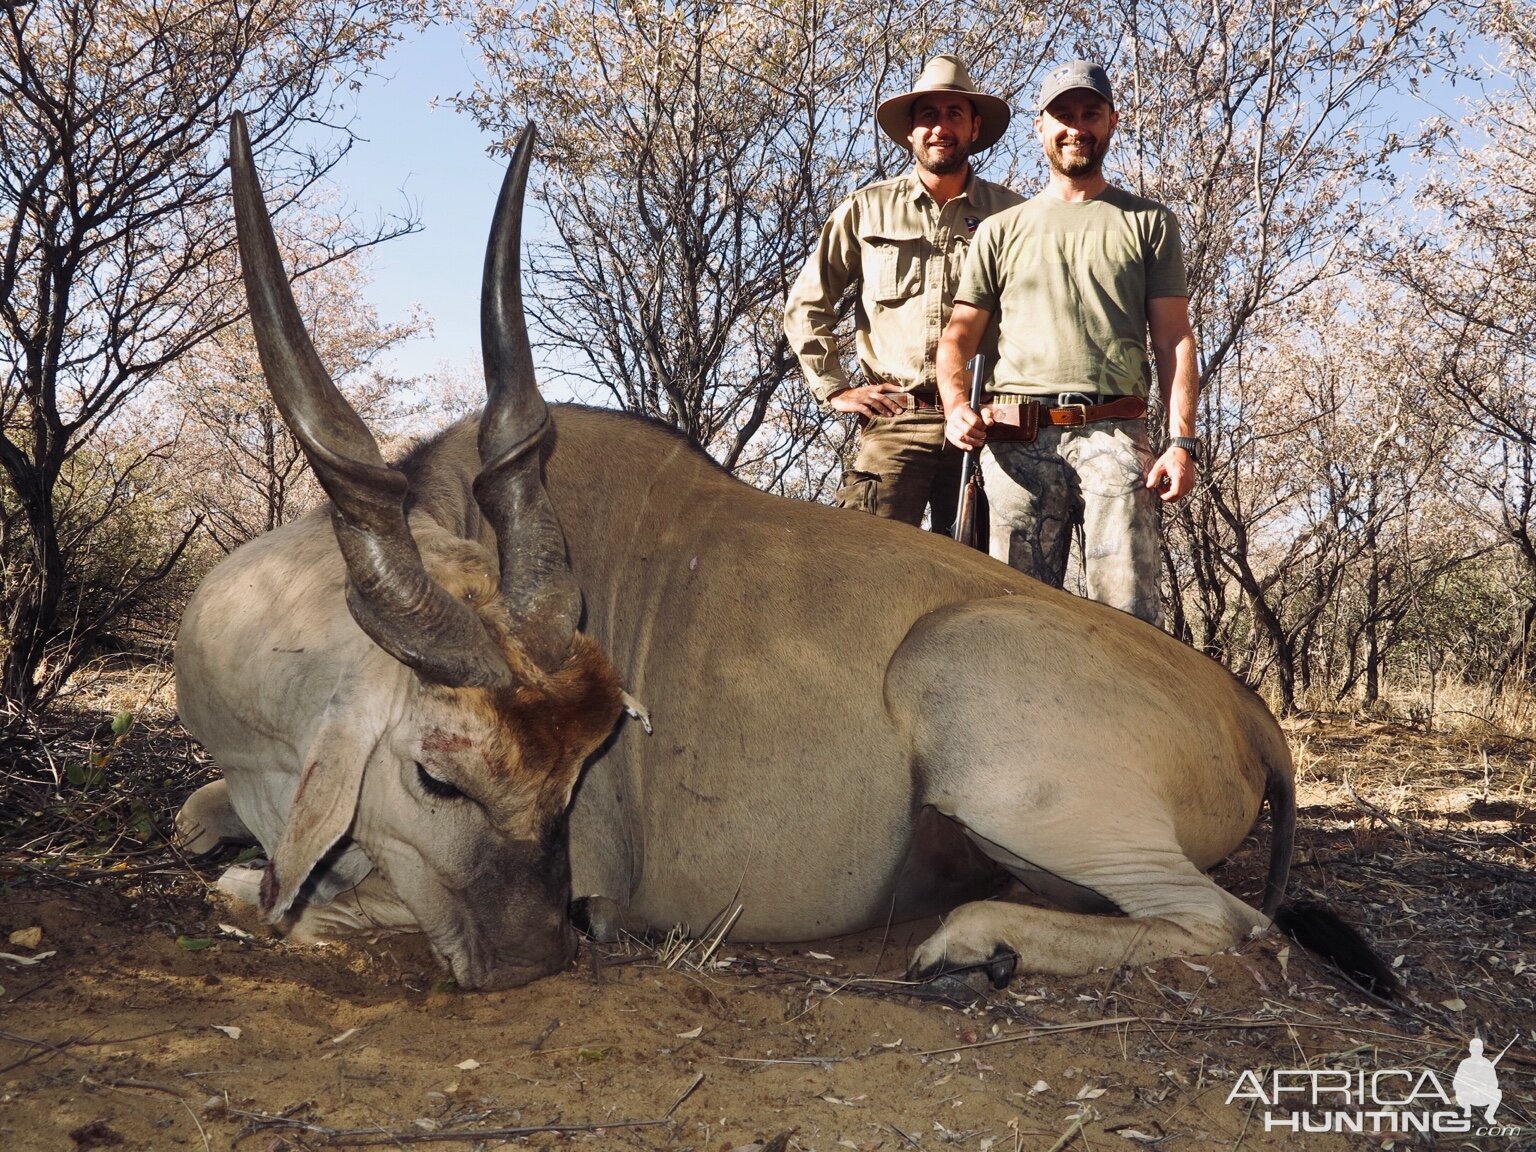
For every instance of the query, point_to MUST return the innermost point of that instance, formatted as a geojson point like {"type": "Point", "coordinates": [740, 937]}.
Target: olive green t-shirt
{"type": "Point", "coordinates": [1068, 284]}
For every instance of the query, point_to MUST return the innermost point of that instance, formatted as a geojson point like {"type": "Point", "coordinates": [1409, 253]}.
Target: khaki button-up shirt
{"type": "Point", "coordinates": [905, 253]}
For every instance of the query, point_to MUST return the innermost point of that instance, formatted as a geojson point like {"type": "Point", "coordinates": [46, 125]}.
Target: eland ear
{"type": "Point", "coordinates": [322, 811]}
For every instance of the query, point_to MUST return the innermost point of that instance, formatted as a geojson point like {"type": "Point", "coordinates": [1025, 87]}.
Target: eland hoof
{"type": "Point", "coordinates": [997, 970]}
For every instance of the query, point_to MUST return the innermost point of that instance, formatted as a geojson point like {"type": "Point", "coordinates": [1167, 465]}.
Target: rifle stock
{"type": "Point", "coordinates": [970, 472]}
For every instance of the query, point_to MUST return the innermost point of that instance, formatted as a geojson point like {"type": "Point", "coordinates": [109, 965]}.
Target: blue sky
{"type": "Point", "coordinates": [434, 160]}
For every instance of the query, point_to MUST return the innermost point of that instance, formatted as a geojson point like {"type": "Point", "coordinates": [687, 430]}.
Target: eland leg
{"type": "Point", "coordinates": [1086, 860]}
{"type": "Point", "coordinates": [208, 820]}
{"type": "Point", "coordinates": [1100, 762]}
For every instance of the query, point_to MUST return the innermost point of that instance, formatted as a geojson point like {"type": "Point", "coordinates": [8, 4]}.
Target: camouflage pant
{"type": "Point", "coordinates": [904, 468]}
{"type": "Point", "coordinates": [1092, 477]}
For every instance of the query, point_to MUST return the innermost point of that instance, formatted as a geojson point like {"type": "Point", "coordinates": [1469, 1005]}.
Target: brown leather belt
{"type": "Point", "coordinates": [923, 402]}
{"type": "Point", "coordinates": [1020, 417]}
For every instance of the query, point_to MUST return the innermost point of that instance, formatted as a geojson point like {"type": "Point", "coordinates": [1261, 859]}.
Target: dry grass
{"type": "Point", "coordinates": [82, 803]}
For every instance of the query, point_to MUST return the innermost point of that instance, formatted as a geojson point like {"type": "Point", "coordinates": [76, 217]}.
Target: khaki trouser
{"type": "Point", "coordinates": [905, 467]}
{"type": "Point", "coordinates": [1091, 476]}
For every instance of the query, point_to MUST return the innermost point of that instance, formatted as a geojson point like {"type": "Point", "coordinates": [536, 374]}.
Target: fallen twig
{"type": "Point", "coordinates": [363, 1137]}
{"type": "Point", "coordinates": [1436, 843]}
{"type": "Point", "coordinates": [126, 1082]}
{"type": "Point", "coordinates": [1066, 1137]}
{"type": "Point", "coordinates": [1150, 1026]}
{"type": "Point", "coordinates": [549, 1030]}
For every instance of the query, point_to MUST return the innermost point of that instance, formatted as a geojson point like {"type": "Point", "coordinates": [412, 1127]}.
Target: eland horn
{"type": "Point", "coordinates": [537, 585]}
{"type": "Point", "coordinates": [389, 591]}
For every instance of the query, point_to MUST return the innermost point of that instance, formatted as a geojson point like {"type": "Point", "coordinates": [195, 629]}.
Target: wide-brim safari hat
{"type": "Point", "coordinates": [944, 74]}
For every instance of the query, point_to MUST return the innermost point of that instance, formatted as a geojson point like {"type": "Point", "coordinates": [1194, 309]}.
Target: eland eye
{"type": "Point", "coordinates": [432, 786]}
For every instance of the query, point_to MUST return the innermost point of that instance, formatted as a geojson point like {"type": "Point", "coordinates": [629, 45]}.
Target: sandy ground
{"type": "Point", "coordinates": [156, 1023]}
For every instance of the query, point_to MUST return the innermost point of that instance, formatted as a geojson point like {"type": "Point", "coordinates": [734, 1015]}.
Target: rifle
{"type": "Point", "coordinates": [970, 474]}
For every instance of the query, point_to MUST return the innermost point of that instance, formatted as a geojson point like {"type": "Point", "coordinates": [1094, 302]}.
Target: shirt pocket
{"type": "Point", "coordinates": [954, 265]}
{"type": "Point", "coordinates": [893, 266]}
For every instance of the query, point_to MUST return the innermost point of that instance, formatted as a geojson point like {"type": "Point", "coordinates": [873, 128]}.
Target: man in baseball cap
{"type": "Point", "coordinates": [900, 245]}
{"type": "Point", "coordinates": [1075, 281]}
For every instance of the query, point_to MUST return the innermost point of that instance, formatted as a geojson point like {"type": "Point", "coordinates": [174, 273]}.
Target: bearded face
{"type": "Point", "coordinates": [944, 128]}
{"type": "Point", "coordinates": [1079, 155]}
{"type": "Point", "coordinates": [1075, 131]}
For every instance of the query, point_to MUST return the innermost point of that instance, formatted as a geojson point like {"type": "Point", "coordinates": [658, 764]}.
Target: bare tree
{"type": "Point", "coordinates": [1335, 514]}
{"type": "Point", "coordinates": [1469, 278]}
{"type": "Point", "coordinates": [245, 472]}
{"type": "Point", "coordinates": [693, 151]}
{"type": "Point", "coordinates": [1265, 128]}
{"type": "Point", "coordinates": [116, 250]}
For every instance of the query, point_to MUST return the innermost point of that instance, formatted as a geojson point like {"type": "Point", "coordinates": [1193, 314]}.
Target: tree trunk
{"type": "Point", "coordinates": [1372, 626]}
{"type": "Point", "coordinates": [34, 618]}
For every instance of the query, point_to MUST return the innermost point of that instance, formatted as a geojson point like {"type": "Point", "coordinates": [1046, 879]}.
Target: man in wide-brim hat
{"type": "Point", "coordinates": [901, 244]}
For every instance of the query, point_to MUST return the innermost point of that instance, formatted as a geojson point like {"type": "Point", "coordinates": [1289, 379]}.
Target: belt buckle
{"type": "Point", "coordinates": [1077, 403]}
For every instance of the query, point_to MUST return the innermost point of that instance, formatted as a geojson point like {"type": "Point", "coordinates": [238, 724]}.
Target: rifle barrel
{"type": "Point", "coordinates": [966, 513]}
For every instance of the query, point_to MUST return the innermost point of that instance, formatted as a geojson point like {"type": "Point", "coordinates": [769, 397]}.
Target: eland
{"type": "Point", "coordinates": [418, 693]}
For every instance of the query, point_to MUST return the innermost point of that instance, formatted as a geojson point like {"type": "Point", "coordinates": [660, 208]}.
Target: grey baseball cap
{"type": "Point", "coordinates": [1075, 74]}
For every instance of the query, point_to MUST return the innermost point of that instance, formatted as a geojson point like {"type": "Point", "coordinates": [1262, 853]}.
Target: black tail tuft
{"type": "Point", "coordinates": [1317, 929]}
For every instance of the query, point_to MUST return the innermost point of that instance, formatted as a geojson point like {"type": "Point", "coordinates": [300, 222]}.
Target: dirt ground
{"type": "Point", "coordinates": [156, 1017]}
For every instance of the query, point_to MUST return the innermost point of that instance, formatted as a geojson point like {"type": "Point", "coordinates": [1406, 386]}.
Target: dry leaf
{"type": "Point", "coordinates": [467, 1065]}
{"type": "Point", "coordinates": [342, 1036]}
{"type": "Point", "coordinates": [818, 956]}
{"type": "Point", "coordinates": [1134, 1134]}
{"type": "Point", "coordinates": [237, 933]}
{"type": "Point", "coordinates": [27, 937]}
{"type": "Point", "coordinates": [694, 1034]}
{"type": "Point", "coordinates": [228, 1029]}
{"type": "Point", "coordinates": [1455, 1005]}
{"type": "Point", "coordinates": [1087, 1093]}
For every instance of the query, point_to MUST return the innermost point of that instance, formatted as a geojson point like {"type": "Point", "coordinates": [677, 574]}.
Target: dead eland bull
{"type": "Point", "coordinates": [403, 721]}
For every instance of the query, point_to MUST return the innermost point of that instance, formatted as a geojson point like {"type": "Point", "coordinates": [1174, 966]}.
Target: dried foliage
{"type": "Point", "coordinates": [117, 258]}
{"type": "Point", "coordinates": [1465, 280]}
{"type": "Point", "coordinates": [1358, 263]}
{"type": "Point", "coordinates": [240, 467]}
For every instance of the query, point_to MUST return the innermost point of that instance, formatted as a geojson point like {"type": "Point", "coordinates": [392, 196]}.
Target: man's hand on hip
{"type": "Point", "coordinates": [966, 428]}
{"type": "Point", "coordinates": [869, 400]}
{"type": "Point", "coordinates": [1172, 477]}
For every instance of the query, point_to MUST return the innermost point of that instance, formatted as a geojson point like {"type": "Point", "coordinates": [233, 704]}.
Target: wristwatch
{"type": "Point", "coordinates": [1190, 444]}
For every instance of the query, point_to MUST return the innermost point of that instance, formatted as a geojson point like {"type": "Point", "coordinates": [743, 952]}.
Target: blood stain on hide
{"type": "Point", "coordinates": [309, 770]}
{"type": "Point", "coordinates": [269, 887]}
{"type": "Point", "coordinates": [438, 741]}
